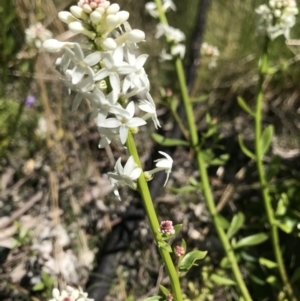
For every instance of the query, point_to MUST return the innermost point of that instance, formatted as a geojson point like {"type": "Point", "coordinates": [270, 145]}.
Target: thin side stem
{"type": "Point", "coordinates": [263, 68]}
{"type": "Point", "coordinates": [206, 185]}
{"type": "Point", "coordinates": [153, 220]}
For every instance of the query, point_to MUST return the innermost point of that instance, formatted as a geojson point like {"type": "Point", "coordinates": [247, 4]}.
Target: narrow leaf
{"type": "Point", "coordinates": [273, 168]}
{"type": "Point", "coordinates": [221, 280]}
{"type": "Point", "coordinates": [244, 149]}
{"type": "Point", "coordinates": [184, 189]}
{"type": "Point", "coordinates": [38, 287]}
{"type": "Point", "coordinates": [296, 275]}
{"type": "Point", "coordinates": [236, 224]}
{"type": "Point", "coordinates": [164, 290]}
{"type": "Point", "coordinates": [251, 240]}
{"type": "Point", "coordinates": [154, 298]}
{"type": "Point", "coordinates": [168, 141]}
{"type": "Point", "coordinates": [245, 106]}
{"type": "Point", "coordinates": [267, 263]}
{"type": "Point", "coordinates": [189, 260]}
{"type": "Point", "coordinates": [266, 138]}
{"type": "Point", "coordinates": [165, 246]}
{"type": "Point", "coordinates": [222, 221]}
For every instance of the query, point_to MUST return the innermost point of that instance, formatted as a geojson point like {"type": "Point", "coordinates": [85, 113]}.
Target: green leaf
{"type": "Point", "coordinates": [168, 141]}
{"type": "Point", "coordinates": [244, 149]}
{"type": "Point", "coordinates": [245, 106]}
{"type": "Point", "coordinates": [165, 246]}
{"type": "Point", "coordinates": [184, 189]}
{"type": "Point", "coordinates": [257, 280]}
{"type": "Point", "coordinates": [236, 224]}
{"type": "Point", "coordinates": [225, 263]}
{"type": "Point", "coordinates": [177, 228]}
{"type": "Point", "coordinates": [222, 221]}
{"type": "Point", "coordinates": [266, 138]}
{"type": "Point", "coordinates": [272, 280]}
{"type": "Point", "coordinates": [251, 240]}
{"type": "Point", "coordinates": [220, 161]}
{"type": "Point", "coordinates": [273, 168]}
{"type": "Point", "coordinates": [194, 182]}
{"type": "Point", "coordinates": [247, 257]}
{"type": "Point", "coordinates": [183, 244]}
{"type": "Point", "coordinates": [267, 263]}
{"type": "Point", "coordinates": [296, 275]}
{"type": "Point", "coordinates": [164, 290]}
{"type": "Point", "coordinates": [38, 287]}
{"type": "Point", "coordinates": [154, 298]}
{"type": "Point", "coordinates": [282, 205]}
{"type": "Point", "coordinates": [286, 225]}
{"type": "Point", "coordinates": [189, 260]}
{"type": "Point", "coordinates": [200, 98]}
{"type": "Point", "coordinates": [221, 280]}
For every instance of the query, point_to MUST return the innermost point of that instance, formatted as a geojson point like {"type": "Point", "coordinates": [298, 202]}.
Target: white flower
{"type": "Point", "coordinates": [151, 7]}
{"type": "Point", "coordinates": [71, 294]}
{"type": "Point", "coordinates": [102, 103]}
{"type": "Point", "coordinates": [81, 88]}
{"type": "Point", "coordinates": [277, 18]}
{"type": "Point", "coordinates": [149, 107]}
{"type": "Point", "coordinates": [124, 120]}
{"type": "Point", "coordinates": [178, 50]}
{"type": "Point", "coordinates": [172, 34]}
{"type": "Point", "coordinates": [36, 34]}
{"type": "Point", "coordinates": [127, 175]}
{"type": "Point", "coordinates": [113, 66]}
{"type": "Point", "coordinates": [161, 164]}
{"type": "Point", "coordinates": [107, 136]}
{"type": "Point", "coordinates": [82, 63]}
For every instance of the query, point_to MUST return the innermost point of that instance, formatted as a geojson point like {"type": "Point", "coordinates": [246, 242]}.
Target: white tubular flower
{"type": "Point", "coordinates": [161, 164]}
{"type": "Point", "coordinates": [149, 107]}
{"type": "Point", "coordinates": [70, 294]}
{"type": "Point", "coordinates": [127, 175]}
{"type": "Point", "coordinates": [277, 17]}
{"type": "Point", "coordinates": [124, 121]}
{"type": "Point", "coordinates": [52, 45]}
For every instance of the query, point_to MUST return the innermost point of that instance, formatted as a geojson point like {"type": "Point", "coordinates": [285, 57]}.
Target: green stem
{"type": "Point", "coordinates": [202, 168]}
{"type": "Point", "coordinates": [263, 68]}
{"type": "Point", "coordinates": [153, 220]}
{"type": "Point", "coordinates": [206, 185]}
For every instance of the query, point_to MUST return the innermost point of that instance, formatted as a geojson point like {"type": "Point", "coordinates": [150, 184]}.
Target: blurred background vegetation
{"type": "Point", "coordinates": [44, 148]}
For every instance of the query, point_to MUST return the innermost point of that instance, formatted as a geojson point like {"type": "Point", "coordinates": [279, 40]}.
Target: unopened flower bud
{"type": "Point", "coordinates": [87, 8]}
{"type": "Point", "coordinates": [136, 36]}
{"type": "Point", "coordinates": [95, 17]}
{"type": "Point", "coordinates": [100, 10]}
{"type": "Point", "coordinates": [123, 16]}
{"type": "Point", "coordinates": [179, 251]}
{"type": "Point", "coordinates": [170, 297]}
{"type": "Point", "coordinates": [66, 17]}
{"type": "Point", "coordinates": [78, 12]}
{"type": "Point", "coordinates": [77, 27]}
{"type": "Point", "coordinates": [108, 44]}
{"type": "Point", "coordinates": [166, 227]}
{"type": "Point", "coordinates": [112, 20]}
{"type": "Point", "coordinates": [113, 9]}
{"type": "Point", "coordinates": [53, 45]}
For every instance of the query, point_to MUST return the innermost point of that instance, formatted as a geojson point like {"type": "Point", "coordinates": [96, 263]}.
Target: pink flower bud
{"type": "Point", "coordinates": [170, 297]}
{"type": "Point", "coordinates": [166, 227]}
{"type": "Point", "coordinates": [179, 251]}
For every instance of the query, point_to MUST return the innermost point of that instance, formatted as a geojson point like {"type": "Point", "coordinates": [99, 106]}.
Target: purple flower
{"type": "Point", "coordinates": [30, 100]}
